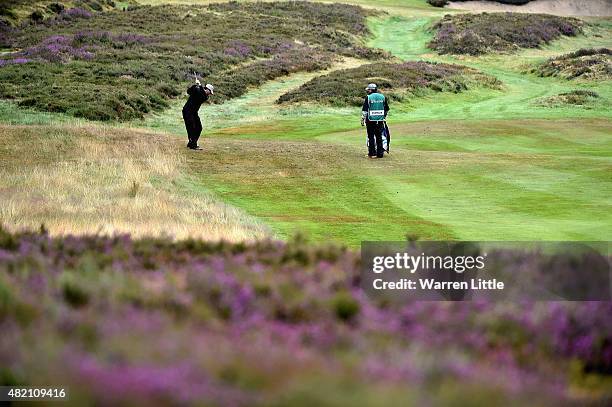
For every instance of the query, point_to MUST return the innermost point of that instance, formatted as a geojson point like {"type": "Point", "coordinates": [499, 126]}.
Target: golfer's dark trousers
{"type": "Point", "coordinates": [193, 126]}
{"type": "Point", "coordinates": [375, 143]}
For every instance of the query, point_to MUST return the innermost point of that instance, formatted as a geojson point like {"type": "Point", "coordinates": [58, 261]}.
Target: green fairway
{"type": "Point", "coordinates": [509, 180]}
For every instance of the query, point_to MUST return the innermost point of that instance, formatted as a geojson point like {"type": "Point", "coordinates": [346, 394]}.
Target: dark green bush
{"type": "Point", "coordinates": [56, 7]}
{"type": "Point", "coordinates": [438, 3]}
{"type": "Point", "coordinates": [397, 81]}
{"type": "Point", "coordinates": [476, 34]}
{"type": "Point", "coordinates": [345, 306]}
{"type": "Point", "coordinates": [74, 293]}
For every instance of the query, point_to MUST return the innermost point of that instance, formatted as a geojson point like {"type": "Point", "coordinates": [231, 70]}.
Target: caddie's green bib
{"type": "Point", "coordinates": [376, 107]}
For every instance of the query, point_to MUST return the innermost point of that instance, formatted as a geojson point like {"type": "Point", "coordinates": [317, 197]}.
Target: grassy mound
{"type": "Point", "coordinates": [132, 322]}
{"type": "Point", "coordinates": [477, 34]}
{"type": "Point", "coordinates": [576, 98]}
{"type": "Point", "coordinates": [397, 81]}
{"type": "Point", "coordinates": [591, 64]}
{"type": "Point", "coordinates": [123, 64]}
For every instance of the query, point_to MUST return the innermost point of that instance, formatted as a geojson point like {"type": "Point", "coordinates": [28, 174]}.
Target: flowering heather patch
{"type": "Point", "coordinates": [124, 321]}
{"type": "Point", "coordinates": [57, 48]}
{"type": "Point", "coordinates": [74, 13]}
{"type": "Point", "coordinates": [15, 61]}
{"type": "Point", "coordinates": [19, 12]}
{"type": "Point", "coordinates": [110, 40]}
{"type": "Point", "coordinates": [123, 64]}
{"type": "Point", "coordinates": [398, 81]}
{"type": "Point", "coordinates": [477, 34]}
{"type": "Point", "coordinates": [238, 49]}
{"type": "Point", "coordinates": [589, 64]}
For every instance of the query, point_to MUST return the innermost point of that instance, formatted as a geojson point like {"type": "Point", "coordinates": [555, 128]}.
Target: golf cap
{"type": "Point", "coordinates": [372, 86]}
{"type": "Point", "coordinates": [211, 88]}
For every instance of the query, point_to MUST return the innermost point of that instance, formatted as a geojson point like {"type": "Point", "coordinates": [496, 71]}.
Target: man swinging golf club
{"type": "Point", "coordinates": [373, 116]}
{"type": "Point", "coordinates": [198, 94]}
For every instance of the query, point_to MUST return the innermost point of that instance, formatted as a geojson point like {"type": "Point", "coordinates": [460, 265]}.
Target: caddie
{"type": "Point", "coordinates": [373, 116]}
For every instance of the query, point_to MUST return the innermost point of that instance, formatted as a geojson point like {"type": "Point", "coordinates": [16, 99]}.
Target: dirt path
{"type": "Point", "coordinates": [557, 7]}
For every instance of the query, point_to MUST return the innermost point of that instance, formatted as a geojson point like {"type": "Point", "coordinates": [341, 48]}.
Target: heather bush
{"type": "Point", "coordinates": [397, 81]}
{"type": "Point", "coordinates": [151, 321]}
{"type": "Point", "coordinates": [580, 97]}
{"type": "Point", "coordinates": [590, 64]}
{"type": "Point", "coordinates": [235, 82]}
{"type": "Point", "coordinates": [14, 10]}
{"type": "Point", "coordinates": [476, 34]}
{"type": "Point", "coordinates": [123, 64]}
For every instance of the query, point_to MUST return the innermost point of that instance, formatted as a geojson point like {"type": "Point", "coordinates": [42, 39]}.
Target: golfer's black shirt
{"type": "Point", "coordinates": [366, 106]}
{"type": "Point", "coordinates": [197, 96]}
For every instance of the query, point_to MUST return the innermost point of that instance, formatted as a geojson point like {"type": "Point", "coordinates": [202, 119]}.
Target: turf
{"type": "Point", "coordinates": [519, 180]}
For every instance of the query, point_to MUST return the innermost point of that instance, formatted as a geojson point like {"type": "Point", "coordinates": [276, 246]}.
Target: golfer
{"type": "Point", "coordinates": [198, 94]}
{"type": "Point", "coordinates": [373, 115]}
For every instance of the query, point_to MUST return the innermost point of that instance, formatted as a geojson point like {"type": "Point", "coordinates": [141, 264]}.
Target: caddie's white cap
{"type": "Point", "coordinates": [211, 88]}
{"type": "Point", "coordinates": [372, 86]}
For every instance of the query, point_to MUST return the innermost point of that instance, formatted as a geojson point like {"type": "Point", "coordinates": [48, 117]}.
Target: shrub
{"type": "Point", "coordinates": [345, 306]}
{"type": "Point", "coordinates": [57, 7]}
{"type": "Point", "coordinates": [578, 97]}
{"type": "Point", "coordinates": [123, 64]}
{"type": "Point", "coordinates": [73, 292]}
{"type": "Point", "coordinates": [438, 3]}
{"type": "Point", "coordinates": [593, 64]}
{"type": "Point", "coordinates": [476, 34]}
{"type": "Point", "coordinates": [397, 81]}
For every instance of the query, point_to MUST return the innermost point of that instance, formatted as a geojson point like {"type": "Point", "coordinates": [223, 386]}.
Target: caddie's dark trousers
{"type": "Point", "coordinates": [375, 143]}
{"type": "Point", "coordinates": [193, 126]}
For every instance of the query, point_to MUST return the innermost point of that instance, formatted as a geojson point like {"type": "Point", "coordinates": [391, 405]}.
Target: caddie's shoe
{"type": "Point", "coordinates": [372, 157]}
{"type": "Point", "coordinates": [195, 148]}
{"type": "Point", "coordinates": [380, 156]}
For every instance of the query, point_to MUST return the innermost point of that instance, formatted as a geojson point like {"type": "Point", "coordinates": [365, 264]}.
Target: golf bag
{"type": "Point", "coordinates": [386, 138]}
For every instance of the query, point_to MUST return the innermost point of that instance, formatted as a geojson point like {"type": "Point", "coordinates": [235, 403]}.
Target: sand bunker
{"type": "Point", "coordinates": [556, 7]}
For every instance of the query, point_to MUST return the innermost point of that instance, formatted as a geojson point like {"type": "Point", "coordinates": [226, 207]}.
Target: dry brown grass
{"type": "Point", "coordinates": [90, 179]}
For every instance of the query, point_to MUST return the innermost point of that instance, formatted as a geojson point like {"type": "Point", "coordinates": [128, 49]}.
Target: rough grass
{"type": "Point", "coordinates": [589, 64]}
{"type": "Point", "coordinates": [476, 34]}
{"type": "Point", "coordinates": [397, 81]}
{"type": "Point", "coordinates": [123, 64]}
{"type": "Point", "coordinates": [88, 179]}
